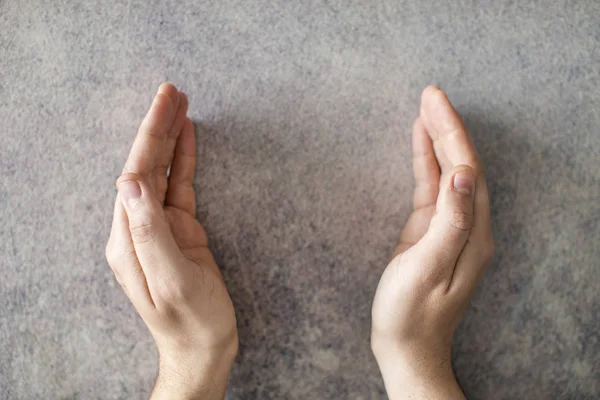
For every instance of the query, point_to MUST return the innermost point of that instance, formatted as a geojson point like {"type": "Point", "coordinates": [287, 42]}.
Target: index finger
{"type": "Point", "coordinates": [446, 125]}
{"type": "Point", "coordinates": [147, 152]}
{"type": "Point", "coordinates": [459, 148]}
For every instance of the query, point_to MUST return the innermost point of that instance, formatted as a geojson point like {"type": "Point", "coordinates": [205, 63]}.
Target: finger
{"type": "Point", "coordinates": [415, 228]}
{"type": "Point", "coordinates": [451, 225]}
{"type": "Point", "coordinates": [192, 240]}
{"type": "Point", "coordinates": [426, 170]}
{"type": "Point", "coordinates": [148, 150]}
{"type": "Point", "coordinates": [160, 173]}
{"type": "Point", "coordinates": [446, 127]}
{"type": "Point", "coordinates": [122, 259]}
{"type": "Point", "coordinates": [180, 193]}
{"type": "Point", "coordinates": [426, 116]}
{"type": "Point", "coordinates": [180, 118]}
{"type": "Point", "coordinates": [438, 148]}
{"type": "Point", "coordinates": [459, 149]}
{"type": "Point", "coordinates": [151, 235]}
{"type": "Point", "coordinates": [479, 249]}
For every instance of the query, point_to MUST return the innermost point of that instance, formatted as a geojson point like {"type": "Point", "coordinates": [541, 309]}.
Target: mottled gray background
{"type": "Point", "coordinates": [304, 183]}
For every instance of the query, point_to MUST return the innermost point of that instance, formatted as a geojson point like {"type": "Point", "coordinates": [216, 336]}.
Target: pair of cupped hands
{"type": "Point", "coordinates": [159, 254]}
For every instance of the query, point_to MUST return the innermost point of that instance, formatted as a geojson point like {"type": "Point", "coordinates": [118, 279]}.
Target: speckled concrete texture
{"type": "Point", "coordinates": [304, 182]}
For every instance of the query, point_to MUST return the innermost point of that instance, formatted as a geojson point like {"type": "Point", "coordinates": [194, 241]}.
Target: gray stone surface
{"type": "Point", "coordinates": [304, 183]}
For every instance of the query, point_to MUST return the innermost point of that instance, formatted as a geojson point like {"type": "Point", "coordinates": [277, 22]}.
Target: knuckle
{"type": "Point", "coordinates": [119, 280]}
{"type": "Point", "coordinates": [143, 230]}
{"type": "Point", "coordinates": [112, 257]}
{"type": "Point", "coordinates": [172, 293]}
{"type": "Point", "coordinates": [127, 176]}
{"type": "Point", "coordinates": [108, 251]}
{"type": "Point", "coordinates": [460, 220]}
{"type": "Point", "coordinates": [116, 269]}
{"type": "Point", "coordinates": [115, 262]}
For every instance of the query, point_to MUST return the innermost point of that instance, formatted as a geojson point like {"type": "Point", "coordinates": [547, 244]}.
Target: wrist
{"type": "Point", "coordinates": [410, 372]}
{"type": "Point", "coordinates": [406, 382]}
{"type": "Point", "coordinates": [188, 376]}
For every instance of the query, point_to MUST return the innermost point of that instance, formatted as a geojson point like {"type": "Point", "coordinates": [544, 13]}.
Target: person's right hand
{"type": "Point", "coordinates": [442, 254]}
{"type": "Point", "coordinates": [159, 254]}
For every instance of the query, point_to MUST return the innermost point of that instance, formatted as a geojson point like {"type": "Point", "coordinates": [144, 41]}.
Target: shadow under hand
{"type": "Point", "coordinates": [507, 338]}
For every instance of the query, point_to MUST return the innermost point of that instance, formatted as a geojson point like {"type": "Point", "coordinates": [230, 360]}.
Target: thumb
{"type": "Point", "coordinates": [151, 234]}
{"type": "Point", "coordinates": [451, 225]}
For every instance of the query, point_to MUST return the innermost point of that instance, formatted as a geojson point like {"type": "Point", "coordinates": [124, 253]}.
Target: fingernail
{"type": "Point", "coordinates": [130, 191]}
{"type": "Point", "coordinates": [464, 182]}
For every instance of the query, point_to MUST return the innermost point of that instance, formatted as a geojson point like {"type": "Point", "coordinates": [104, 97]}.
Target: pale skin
{"type": "Point", "coordinates": [159, 254]}
{"type": "Point", "coordinates": [444, 248]}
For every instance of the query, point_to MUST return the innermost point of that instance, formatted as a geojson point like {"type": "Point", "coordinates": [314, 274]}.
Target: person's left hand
{"type": "Point", "coordinates": [443, 251]}
{"type": "Point", "coordinates": [159, 254]}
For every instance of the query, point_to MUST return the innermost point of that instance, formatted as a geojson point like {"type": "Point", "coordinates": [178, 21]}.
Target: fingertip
{"type": "Point", "coordinates": [130, 191]}
{"type": "Point", "coordinates": [179, 121]}
{"type": "Point", "coordinates": [442, 121]}
{"type": "Point", "coordinates": [182, 96]}
{"type": "Point", "coordinates": [162, 103]}
{"type": "Point", "coordinates": [428, 114]}
{"type": "Point", "coordinates": [170, 91]}
{"type": "Point", "coordinates": [429, 91]}
{"type": "Point", "coordinates": [167, 87]}
{"type": "Point", "coordinates": [433, 96]}
{"type": "Point", "coordinates": [463, 180]}
{"type": "Point", "coordinates": [159, 118]}
{"type": "Point", "coordinates": [430, 87]}
{"type": "Point", "coordinates": [183, 101]}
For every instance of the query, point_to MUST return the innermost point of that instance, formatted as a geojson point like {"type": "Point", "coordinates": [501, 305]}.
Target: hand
{"type": "Point", "coordinates": [159, 254]}
{"type": "Point", "coordinates": [442, 254]}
